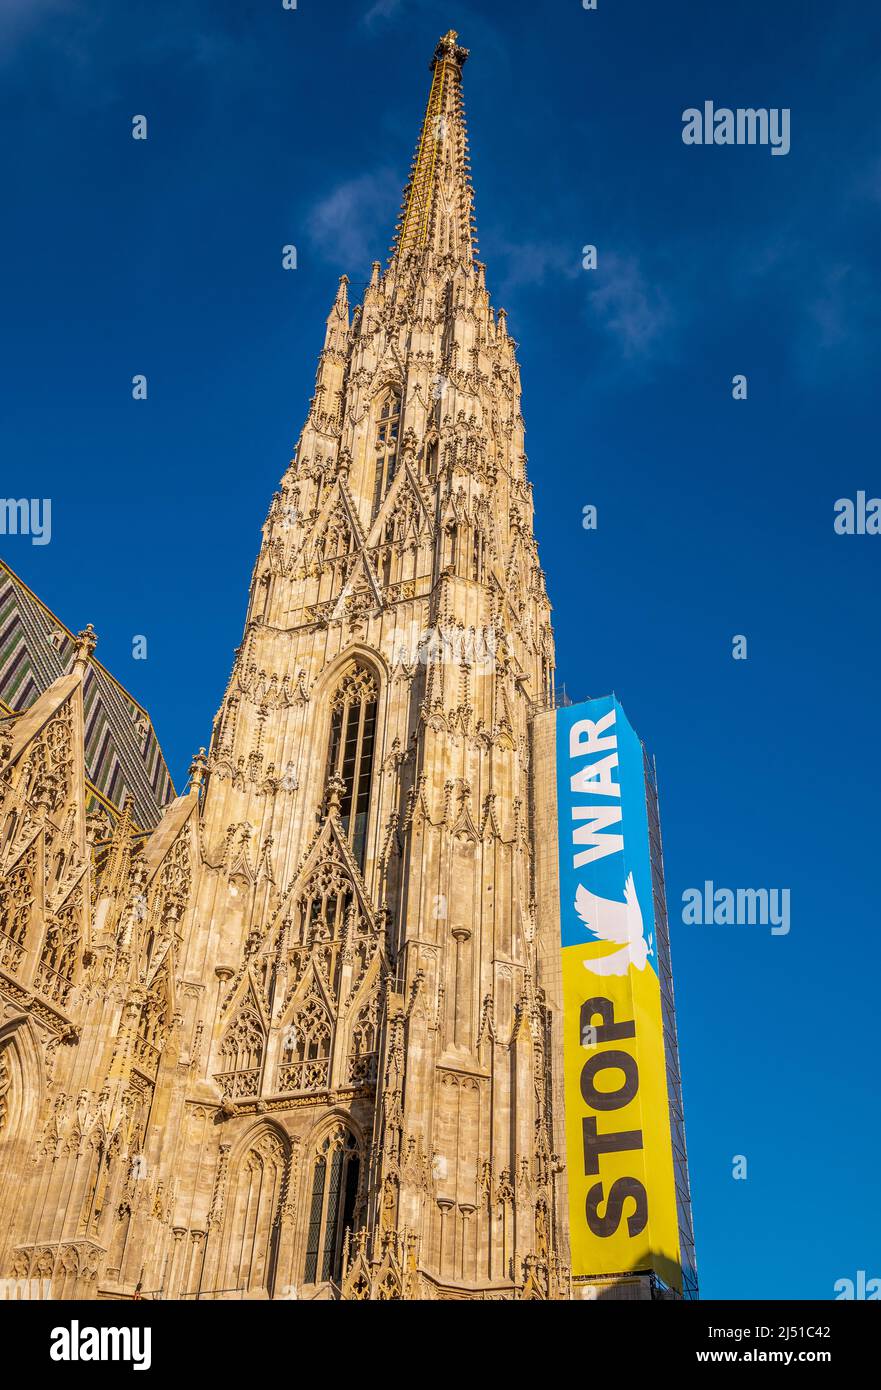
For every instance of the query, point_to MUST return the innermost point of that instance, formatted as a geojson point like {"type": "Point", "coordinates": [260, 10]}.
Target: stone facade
{"type": "Point", "coordinates": [299, 1040]}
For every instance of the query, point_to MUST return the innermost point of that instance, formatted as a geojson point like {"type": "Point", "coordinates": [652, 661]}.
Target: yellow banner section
{"type": "Point", "coordinates": [622, 1193]}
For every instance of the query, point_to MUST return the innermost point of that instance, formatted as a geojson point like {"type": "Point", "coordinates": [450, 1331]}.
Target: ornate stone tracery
{"type": "Point", "coordinates": [61, 947]}
{"type": "Point", "coordinates": [363, 1046]}
{"type": "Point", "coordinates": [16, 905]}
{"type": "Point", "coordinates": [242, 1053]}
{"type": "Point", "coordinates": [5, 1085]}
{"type": "Point", "coordinates": [306, 1051]}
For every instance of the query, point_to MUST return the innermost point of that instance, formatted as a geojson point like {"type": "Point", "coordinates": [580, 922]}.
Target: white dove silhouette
{"type": "Point", "coordinates": [614, 921]}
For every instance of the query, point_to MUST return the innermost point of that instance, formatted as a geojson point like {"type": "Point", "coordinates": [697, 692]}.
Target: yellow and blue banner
{"type": "Point", "coordinates": [622, 1190]}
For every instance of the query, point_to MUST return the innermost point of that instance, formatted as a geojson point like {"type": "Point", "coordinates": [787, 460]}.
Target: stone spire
{"type": "Point", "coordinates": [437, 209]}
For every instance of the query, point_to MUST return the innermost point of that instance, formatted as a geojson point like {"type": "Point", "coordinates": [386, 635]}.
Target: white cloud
{"type": "Point", "coordinates": [632, 310]}
{"type": "Point", "coordinates": [382, 9]}
{"type": "Point", "coordinates": [348, 226]}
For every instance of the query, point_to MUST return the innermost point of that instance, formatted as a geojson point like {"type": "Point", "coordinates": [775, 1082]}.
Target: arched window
{"type": "Point", "coordinates": [324, 907]}
{"type": "Point", "coordinates": [332, 1209]}
{"type": "Point", "coordinates": [22, 1079]}
{"type": "Point", "coordinates": [242, 1053]}
{"type": "Point", "coordinates": [305, 1057]}
{"type": "Point", "coordinates": [254, 1217]}
{"type": "Point", "coordinates": [386, 445]}
{"type": "Point", "coordinates": [352, 736]}
{"type": "Point", "coordinates": [363, 1043]}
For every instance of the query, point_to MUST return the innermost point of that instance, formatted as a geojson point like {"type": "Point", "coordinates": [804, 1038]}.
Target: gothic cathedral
{"type": "Point", "coordinates": [293, 1033]}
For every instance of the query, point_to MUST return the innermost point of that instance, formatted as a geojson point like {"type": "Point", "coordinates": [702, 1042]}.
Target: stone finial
{"type": "Point", "coordinates": [334, 794]}
{"type": "Point", "coordinates": [338, 318]}
{"type": "Point", "coordinates": [198, 770]}
{"type": "Point", "coordinates": [85, 643]}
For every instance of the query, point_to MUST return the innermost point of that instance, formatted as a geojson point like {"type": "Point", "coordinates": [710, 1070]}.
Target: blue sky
{"type": "Point", "coordinates": [269, 127]}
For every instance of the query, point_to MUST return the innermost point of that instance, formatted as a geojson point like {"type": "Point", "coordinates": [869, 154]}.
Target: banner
{"type": "Point", "coordinates": [622, 1193]}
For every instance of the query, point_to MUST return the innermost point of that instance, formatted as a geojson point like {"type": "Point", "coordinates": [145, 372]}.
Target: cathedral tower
{"type": "Point", "coordinates": [313, 1019]}
{"type": "Point", "coordinates": [368, 778]}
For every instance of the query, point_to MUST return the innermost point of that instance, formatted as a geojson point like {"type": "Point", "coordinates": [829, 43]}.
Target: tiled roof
{"type": "Point", "coordinates": [122, 751]}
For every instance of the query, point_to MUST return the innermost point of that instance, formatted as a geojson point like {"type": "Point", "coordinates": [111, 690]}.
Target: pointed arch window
{"type": "Point", "coordinates": [305, 1058]}
{"type": "Point", "coordinates": [386, 446]}
{"type": "Point", "coordinates": [333, 1205]}
{"type": "Point", "coordinates": [242, 1054]}
{"type": "Point", "coordinates": [363, 1044]}
{"type": "Point", "coordinates": [253, 1223]}
{"type": "Point", "coordinates": [352, 738]}
{"type": "Point", "coordinates": [21, 1061]}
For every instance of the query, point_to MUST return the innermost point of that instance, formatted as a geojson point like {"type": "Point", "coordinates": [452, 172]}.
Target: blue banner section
{"type": "Point", "coordinates": [605, 868]}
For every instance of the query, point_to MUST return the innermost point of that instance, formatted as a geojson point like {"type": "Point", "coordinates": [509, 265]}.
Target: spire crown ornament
{"type": "Point", "coordinates": [449, 50]}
